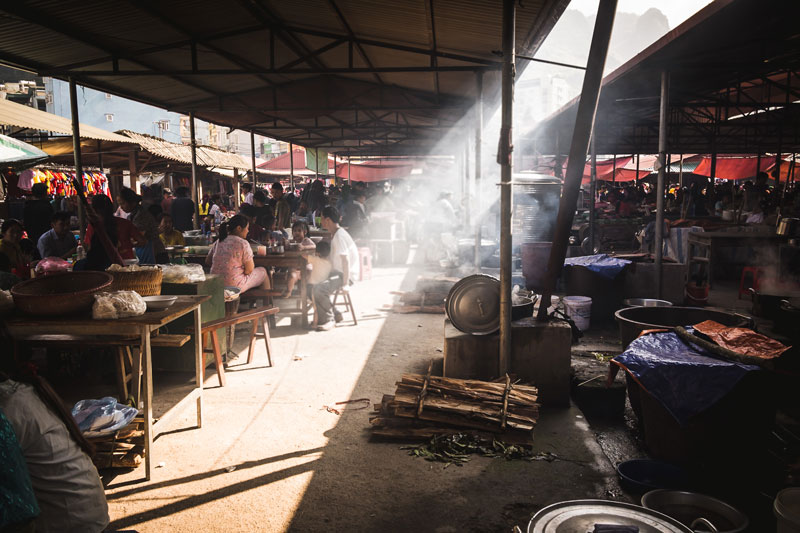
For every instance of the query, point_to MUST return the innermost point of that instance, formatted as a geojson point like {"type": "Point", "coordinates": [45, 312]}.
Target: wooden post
{"type": "Point", "coordinates": [348, 169]}
{"type": "Point", "coordinates": [504, 157]}
{"type": "Point", "coordinates": [662, 172]}
{"type": "Point", "coordinates": [76, 149]}
{"type": "Point", "coordinates": [584, 120]}
{"type": "Point", "coordinates": [193, 143]}
{"type": "Point", "coordinates": [291, 165]}
{"type": "Point", "coordinates": [237, 189]}
{"type": "Point", "coordinates": [592, 194]}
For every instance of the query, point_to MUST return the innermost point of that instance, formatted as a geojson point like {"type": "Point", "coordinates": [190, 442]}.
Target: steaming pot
{"type": "Point", "coordinates": [787, 227]}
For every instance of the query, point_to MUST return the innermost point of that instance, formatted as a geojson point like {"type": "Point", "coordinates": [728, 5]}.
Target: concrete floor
{"type": "Point", "coordinates": [270, 457]}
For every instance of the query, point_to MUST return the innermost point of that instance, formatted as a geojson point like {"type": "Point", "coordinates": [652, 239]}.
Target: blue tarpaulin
{"type": "Point", "coordinates": [602, 264]}
{"type": "Point", "coordinates": [685, 379]}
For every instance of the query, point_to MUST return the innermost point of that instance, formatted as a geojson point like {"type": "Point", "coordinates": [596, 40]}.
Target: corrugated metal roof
{"type": "Point", "coordinates": [283, 69]}
{"type": "Point", "coordinates": [206, 155]}
{"type": "Point", "coordinates": [23, 116]}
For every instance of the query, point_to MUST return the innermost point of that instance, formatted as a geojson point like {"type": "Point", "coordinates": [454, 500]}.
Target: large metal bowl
{"type": "Point", "coordinates": [633, 320]}
{"type": "Point", "coordinates": [687, 507]}
{"type": "Point", "coordinates": [646, 302]}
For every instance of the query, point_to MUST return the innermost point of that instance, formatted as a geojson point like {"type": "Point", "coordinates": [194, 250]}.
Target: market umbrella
{"type": "Point", "coordinates": [14, 153]}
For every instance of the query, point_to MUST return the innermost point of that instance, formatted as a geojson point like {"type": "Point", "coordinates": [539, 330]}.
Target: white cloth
{"type": "Point", "coordinates": [344, 248]}
{"type": "Point", "coordinates": [320, 269]}
{"type": "Point", "coordinates": [248, 198]}
{"type": "Point", "coordinates": [65, 481]}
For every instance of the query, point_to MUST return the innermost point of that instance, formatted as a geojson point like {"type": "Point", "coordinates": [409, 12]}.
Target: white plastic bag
{"type": "Point", "coordinates": [191, 273]}
{"type": "Point", "coordinates": [119, 304]}
{"type": "Point", "coordinates": [96, 418]}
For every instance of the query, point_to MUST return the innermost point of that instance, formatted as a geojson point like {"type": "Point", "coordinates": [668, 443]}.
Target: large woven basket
{"type": "Point", "coordinates": [145, 282]}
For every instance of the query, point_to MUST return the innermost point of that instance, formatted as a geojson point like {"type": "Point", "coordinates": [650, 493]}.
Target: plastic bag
{"type": "Point", "coordinates": [6, 302]}
{"type": "Point", "coordinates": [182, 273]}
{"type": "Point", "coordinates": [96, 418]}
{"type": "Point", "coordinates": [48, 265]}
{"type": "Point", "coordinates": [119, 304]}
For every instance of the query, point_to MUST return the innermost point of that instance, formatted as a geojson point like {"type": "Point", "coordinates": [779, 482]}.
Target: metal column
{"type": "Point", "coordinates": [237, 189]}
{"type": "Point", "coordinates": [193, 144]}
{"type": "Point", "coordinates": [592, 194]}
{"type": "Point", "coordinates": [348, 169]}
{"type": "Point", "coordinates": [466, 199]}
{"type": "Point", "coordinates": [662, 173]}
{"type": "Point", "coordinates": [316, 162]}
{"type": "Point", "coordinates": [76, 149]}
{"type": "Point", "coordinates": [478, 163]}
{"type": "Point", "coordinates": [253, 159]}
{"type": "Point", "coordinates": [504, 158]}
{"type": "Point", "coordinates": [584, 121]}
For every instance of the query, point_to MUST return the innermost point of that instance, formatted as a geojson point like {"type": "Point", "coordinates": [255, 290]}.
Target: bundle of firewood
{"type": "Point", "coordinates": [122, 449]}
{"type": "Point", "coordinates": [425, 405]}
{"type": "Point", "coordinates": [427, 297]}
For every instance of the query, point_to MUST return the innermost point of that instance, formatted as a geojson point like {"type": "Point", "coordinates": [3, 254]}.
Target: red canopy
{"type": "Point", "coordinates": [281, 165]}
{"type": "Point", "coordinates": [734, 168]}
{"type": "Point", "coordinates": [374, 171]}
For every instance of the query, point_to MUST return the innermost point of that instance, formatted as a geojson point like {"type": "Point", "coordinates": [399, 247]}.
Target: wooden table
{"type": "Point", "coordinates": [711, 241]}
{"type": "Point", "coordinates": [293, 259]}
{"type": "Point", "coordinates": [21, 326]}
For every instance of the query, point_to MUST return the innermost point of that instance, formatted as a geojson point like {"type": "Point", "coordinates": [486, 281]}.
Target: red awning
{"type": "Point", "coordinates": [734, 168]}
{"type": "Point", "coordinates": [281, 164]}
{"type": "Point", "coordinates": [374, 171]}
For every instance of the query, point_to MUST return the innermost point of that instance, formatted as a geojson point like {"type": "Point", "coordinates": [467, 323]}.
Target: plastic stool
{"type": "Point", "coordinates": [365, 259]}
{"type": "Point", "coordinates": [755, 272]}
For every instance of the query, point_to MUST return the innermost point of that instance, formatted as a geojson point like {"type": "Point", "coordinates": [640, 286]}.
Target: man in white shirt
{"type": "Point", "coordinates": [345, 269]}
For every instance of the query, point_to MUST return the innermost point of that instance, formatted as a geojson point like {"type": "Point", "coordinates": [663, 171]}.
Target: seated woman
{"type": "Point", "coordinates": [18, 260]}
{"type": "Point", "coordinates": [120, 231]}
{"type": "Point", "coordinates": [299, 237]}
{"type": "Point", "coordinates": [153, 250]}
{"type": "Point", "coordinates": [231, 257]}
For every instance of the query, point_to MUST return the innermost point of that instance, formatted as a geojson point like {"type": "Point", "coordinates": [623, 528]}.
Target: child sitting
{"type": "Point", "coordinates": [300, 238]}
{"type": "Point", "coordinates": [320, 267]}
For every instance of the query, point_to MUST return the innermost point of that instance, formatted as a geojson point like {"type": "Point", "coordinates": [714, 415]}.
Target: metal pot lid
{"type": "Point", "coordinates": [582, 515]}
{"type": "Point", "coordinates": [473, 304]}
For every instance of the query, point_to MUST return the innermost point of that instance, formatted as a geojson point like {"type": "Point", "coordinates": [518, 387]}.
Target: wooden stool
{"type": "Point", "coordinates": [256, 315]}
{"type": "Point", "coordinates": [265, 296]}
{"type": "Point", "coordinates": [347, 302]}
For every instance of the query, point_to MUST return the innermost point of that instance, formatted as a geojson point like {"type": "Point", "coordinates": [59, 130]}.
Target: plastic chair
{"type": "Point", "coordinates": [755, 272]}
{"type": "Point", "coordinates": [365, 259]}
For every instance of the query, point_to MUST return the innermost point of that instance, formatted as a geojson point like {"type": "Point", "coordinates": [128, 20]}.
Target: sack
{"type": "Point", "coordinates": [192, 273]}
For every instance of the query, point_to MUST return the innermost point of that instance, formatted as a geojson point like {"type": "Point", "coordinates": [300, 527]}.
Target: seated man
{"type": "Point", "coordinates": [59, 241]}
{"type": "Point", "coordinates": [168, 234]}
{"type": "Point", "coordinates": [345, 269]}
{"type": "Point", "coordinates": [256, 232]}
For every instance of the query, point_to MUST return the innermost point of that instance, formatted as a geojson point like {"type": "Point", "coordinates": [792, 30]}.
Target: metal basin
{"type": "Point", "coordinates": [646, 302]}
{"type": "Point", "coordinates": [633, 320]}
{"type": "Point", "coordinates": [688, 507]}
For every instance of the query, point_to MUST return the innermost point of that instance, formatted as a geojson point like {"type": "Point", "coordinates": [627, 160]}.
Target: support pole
{"type": "Point", "coordinates": [253, 159]}
{"type": "Point", "coordinates": [592, 195]}
{"type": "Point", "coordinates": [584, 121]}
{"type": "Point", "coordinates": [237, 189]}
{"type": "Point", "coordinates": [504, 158]}
{"type": "Point", "coordinates": [76, 149]}
{"type": "Point", "coordinates": [478, 163]}
{"type": "Point", "coordinates": [193, 143]}
{"type": "Point", "coordinates": [316, 162]}
{"type": "Point", "coordinates": [291, 164]}
{"type": "Point", "coordinates": [662, 172]}
{"type": "Point", "coordinates": [638, 158]}
{"type": "Point", "coordinates": [614, 171]}
{"type": "Point", "coordinates": [465, 201]}
{"type": "Point", "coordinates": [348, 169]}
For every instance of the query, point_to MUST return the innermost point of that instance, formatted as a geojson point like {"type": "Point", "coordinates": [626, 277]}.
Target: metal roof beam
{"type": "Point", "coordinates": [256, 72]}
{"type": "Point", "coordinates": [352, 37]}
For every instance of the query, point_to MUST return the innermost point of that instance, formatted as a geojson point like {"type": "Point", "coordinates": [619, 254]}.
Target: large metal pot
{"type": "Point", "coordinates": [633, 320]}
{"type": "Point", "coordinates": [582, 515]}
{"type": "Point", "coordinates": [646, 302]}
{"type": "Point", "coordinates": [768, 305]}
{"type": "Point", "coordinates": [688, 507]}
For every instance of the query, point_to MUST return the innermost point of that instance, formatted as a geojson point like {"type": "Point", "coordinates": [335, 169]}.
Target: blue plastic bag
{"type": "Point", "coordinates": [96, 418]}
{"type": "Point", "coordinates": [602, 264]}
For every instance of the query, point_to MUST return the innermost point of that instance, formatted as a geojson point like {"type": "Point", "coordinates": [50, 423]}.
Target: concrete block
{"type": "Point", "coordinates": [540, 354]}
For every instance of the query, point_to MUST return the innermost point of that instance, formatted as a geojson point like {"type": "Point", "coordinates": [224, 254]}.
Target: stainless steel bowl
{"type": "Point", "coordinates": [646, 302]}
{"type": "Point", "coordinates": [688, 507]}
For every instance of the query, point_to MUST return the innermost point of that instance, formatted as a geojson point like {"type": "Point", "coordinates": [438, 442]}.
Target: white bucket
{"type": "Point", "coordinates": [579, 309]}
{"type": "Point", "coordinates": [787, 510]}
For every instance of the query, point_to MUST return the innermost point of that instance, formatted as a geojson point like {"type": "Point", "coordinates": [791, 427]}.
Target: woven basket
{"type": "Point", "coordinates": [145, 282]}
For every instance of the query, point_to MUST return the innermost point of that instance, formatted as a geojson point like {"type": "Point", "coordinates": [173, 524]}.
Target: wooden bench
{"type": "Point", "coordinates": [256, 315]}
{"type": "Point", "coordinates": [266, 296]}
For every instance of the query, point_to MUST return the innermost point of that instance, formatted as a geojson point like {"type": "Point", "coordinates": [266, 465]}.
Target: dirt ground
{"type": "Point", "coordinates": [270, 457]}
